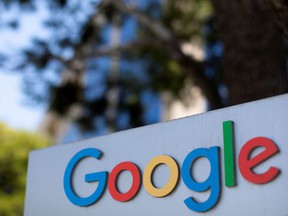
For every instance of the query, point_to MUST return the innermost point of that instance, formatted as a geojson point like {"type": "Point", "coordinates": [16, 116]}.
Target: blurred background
{"type": "Point", "coordinates": [72, 69]}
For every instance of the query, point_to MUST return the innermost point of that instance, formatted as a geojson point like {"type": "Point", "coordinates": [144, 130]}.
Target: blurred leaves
{"type": "Point", "coordinates": [76, 29]}
{"type": "Point", "coordinates": [14, 24]}
{"type": "Point", "coordinates": [62, 97]}
{"type": "Point", "coordinates": [38, 57]}
{"type": "Point", "coordinates": [3, 59]}
{"type": "Point", "coordinates": [186, 18]}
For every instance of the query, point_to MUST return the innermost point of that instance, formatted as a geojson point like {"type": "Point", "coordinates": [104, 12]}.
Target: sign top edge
{"type": "Point", "coordinates": [256, 102]}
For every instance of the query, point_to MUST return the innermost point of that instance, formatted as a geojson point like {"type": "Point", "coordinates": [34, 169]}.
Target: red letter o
{"type": "Point", "coordinates": [131, 193]}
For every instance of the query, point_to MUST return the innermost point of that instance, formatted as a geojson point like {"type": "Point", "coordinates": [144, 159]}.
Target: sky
{"type": "Point", "coordinates": [13, 110]}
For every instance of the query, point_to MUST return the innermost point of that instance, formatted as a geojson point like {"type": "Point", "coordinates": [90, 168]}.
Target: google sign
{"type": "Point", "coordinates": [226, 162]}
{"type": "Point", "coordinates": [212, 183]}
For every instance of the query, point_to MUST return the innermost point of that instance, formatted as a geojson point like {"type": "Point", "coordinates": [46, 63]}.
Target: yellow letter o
{"type": "Point", "coordinates": [147, 176]}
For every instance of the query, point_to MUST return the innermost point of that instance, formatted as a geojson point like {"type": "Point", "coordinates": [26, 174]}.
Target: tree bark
{"type": "Point", "coordinates": [280, 8]}
{"type": "Point", "coordinates": [254, 58]}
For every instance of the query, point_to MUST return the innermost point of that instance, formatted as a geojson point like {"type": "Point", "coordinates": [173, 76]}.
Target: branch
{"type": "Point", "coordinates": [165, 39]}
{"type": "Point", "coordinates": [155, 26]}
{"type": "Point", "coordinates": [193, 68]}
{"type": "Point", "coordinates": [109, 51]}
{"type": "Point", "coordinates": [122, 48]}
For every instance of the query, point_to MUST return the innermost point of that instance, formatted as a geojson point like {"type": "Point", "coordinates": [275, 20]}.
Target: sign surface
{"type": "Point", "coordinates": [232, 161]}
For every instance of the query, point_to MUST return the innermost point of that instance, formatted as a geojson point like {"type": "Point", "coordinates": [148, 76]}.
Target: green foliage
{"type": "Point", "coordinates": [14, 149]}
{"type": "Point", "coordinates": [186, 17]}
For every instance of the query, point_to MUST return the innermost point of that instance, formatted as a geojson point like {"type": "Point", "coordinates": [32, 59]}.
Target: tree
{"type": "Point", "coordinates": [254, 57]}
{"type": "Point", "coordinates": [14, 149]}
{"type": "Point", "coordinates": [251, 67]}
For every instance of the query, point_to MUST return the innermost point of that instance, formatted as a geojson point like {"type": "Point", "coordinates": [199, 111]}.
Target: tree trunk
{"type": "Point", "coordinates": [254, 58]}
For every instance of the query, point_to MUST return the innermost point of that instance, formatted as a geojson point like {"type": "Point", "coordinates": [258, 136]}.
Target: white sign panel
{"type": "Point", "coordinates": [232, 161]}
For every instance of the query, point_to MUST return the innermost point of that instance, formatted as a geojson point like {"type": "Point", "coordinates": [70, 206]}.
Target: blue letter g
{"type": "Point", "coordinates": [101, 177]}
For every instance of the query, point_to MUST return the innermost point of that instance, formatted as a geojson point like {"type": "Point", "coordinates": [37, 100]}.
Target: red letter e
{"type": "Point", "coordinates": [246, 164]}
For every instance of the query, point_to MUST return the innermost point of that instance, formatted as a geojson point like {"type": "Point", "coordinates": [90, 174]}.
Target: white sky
{"type": "Point", "coordinates": [13, 111]}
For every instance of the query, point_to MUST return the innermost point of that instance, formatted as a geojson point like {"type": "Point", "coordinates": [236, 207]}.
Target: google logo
{"type": "Point", "coordinates": [246, 163]}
